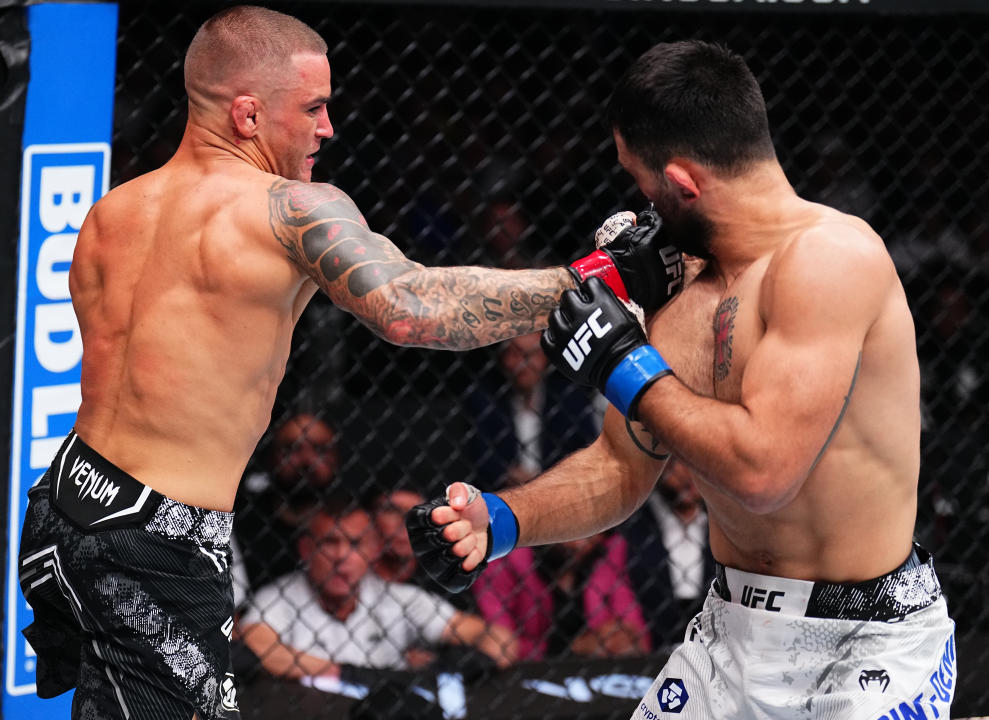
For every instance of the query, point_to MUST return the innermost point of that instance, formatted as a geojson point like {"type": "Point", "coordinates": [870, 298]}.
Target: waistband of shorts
{"type": "Point", "coordinates": [97, 495]}
{"type": "Point", "coordinates": [909, 588]}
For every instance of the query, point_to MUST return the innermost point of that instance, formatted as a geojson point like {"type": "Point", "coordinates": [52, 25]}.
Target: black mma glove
{"type": "Point", "coordinates": [435, 553]}
{"type": "Point", "coordinates": [634, 260]}
{"type": "Point", "coordinates": [594, 340]}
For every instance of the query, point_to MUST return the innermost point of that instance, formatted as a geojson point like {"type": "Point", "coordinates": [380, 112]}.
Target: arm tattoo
{"type": "Point", "coordinates": [325, 234]}
{"type": "Point", "coordinates": [650, 451]}
{"type": "Point", "coordinates": [457, 308]}
{"type": "Point", "coordinates": [460, 308]}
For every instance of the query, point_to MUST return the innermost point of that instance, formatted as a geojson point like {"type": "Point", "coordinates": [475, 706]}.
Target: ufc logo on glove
{"type": "Point", "coordinates": [580, 344]}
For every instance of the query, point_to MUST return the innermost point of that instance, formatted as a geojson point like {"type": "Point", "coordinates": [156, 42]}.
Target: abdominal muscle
{"type": "Point", "coordinates": [844, 525]}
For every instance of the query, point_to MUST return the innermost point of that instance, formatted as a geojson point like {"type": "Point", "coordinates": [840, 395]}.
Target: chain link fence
{"type": "Point", "coordinates": [474, 135]}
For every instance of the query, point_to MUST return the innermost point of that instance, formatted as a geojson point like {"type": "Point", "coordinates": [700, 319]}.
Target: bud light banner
{"type": "Point", "coordinates": [65, 168]}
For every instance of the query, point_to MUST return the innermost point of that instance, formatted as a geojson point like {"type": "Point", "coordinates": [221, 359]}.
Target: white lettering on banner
{"type": "Point", "coordinates": [60, 181]}
{"type": "Point", "coordinates": [66, 196]}
{"type": "Point", "coordinates": [582, 690]}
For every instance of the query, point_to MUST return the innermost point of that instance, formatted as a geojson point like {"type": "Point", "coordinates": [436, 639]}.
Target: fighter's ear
{"type": "Point", "coordinates": [244, 114]}
{"type": "Point", "coordinates": [683, 177]}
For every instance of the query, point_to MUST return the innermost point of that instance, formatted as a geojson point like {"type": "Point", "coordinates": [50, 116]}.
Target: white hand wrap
{"type": "Point", "coordinates": [612, 227]}
{"type": "Point", "coordinates": [472, 493]}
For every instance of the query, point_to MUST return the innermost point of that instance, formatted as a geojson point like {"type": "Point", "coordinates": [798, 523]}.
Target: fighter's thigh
{"type": "Point", "coordinates": [688, 687]}
{"type": "Point", "coordinates": [914, 677]}
{"type": "Point", "coordinates": [149, 659]}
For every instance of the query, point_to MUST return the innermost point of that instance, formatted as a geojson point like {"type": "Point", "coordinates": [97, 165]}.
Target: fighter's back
{"type": "Point", "coordinates": [186, 303]}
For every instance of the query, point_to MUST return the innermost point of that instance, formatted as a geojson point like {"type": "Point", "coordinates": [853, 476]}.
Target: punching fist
{"type": "Point", "coordinates": [454, 537]}
{"type": "Point", "coordinates": [594, 340]}
{"type": "Point", "coordinates": [634, 260]}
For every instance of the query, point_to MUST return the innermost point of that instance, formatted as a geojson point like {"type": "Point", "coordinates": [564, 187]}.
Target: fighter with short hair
{"type": "Point", "coordinates": [187, 283]}
{"type": "Point", "coordinates": [786, 376]}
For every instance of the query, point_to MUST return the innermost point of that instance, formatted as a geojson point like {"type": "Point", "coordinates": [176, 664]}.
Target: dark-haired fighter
{"type": "Point", "coordinates": [786, 376]}
{"type": "Point", "coordinates": [187, 283]}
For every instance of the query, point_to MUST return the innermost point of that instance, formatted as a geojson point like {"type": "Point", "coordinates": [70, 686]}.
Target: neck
{"type": "Point", "coordinates": [203, 141]}
{"type": "Point", "coordinates": [750, 214]}
{"type": "Point", "coordinates": [340, 608]}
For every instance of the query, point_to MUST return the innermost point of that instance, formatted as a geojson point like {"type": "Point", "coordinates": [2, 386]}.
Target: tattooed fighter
{"type": "Point", "coordinates": [187, 283]}
{"type": "Point", "coordinates": [785, 374]}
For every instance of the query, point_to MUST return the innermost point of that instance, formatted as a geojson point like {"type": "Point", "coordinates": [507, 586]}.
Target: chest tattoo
{"type": "Point", "coordinates": [724, 326]}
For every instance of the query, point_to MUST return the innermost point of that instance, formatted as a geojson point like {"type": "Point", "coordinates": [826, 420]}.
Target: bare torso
{"type": "Point", "coordinates": [853, 516]}
{"type": "Point", "coordinates": [186, 305]}
{"type": "Point", "coordinates": [188, 283]}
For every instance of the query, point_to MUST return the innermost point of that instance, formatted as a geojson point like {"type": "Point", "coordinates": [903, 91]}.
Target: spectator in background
{"type": "Point", "coordinates": [507, 235]}
{"type": "Point", "coordinates": [574, 597]}
{"type": "Point", "coordinates": [395, 561]}
{"type": "Point", "coordinates": [335, 611]}
{"type": "Point", "coordinates": [274, 505]}
{"type": "Point", "coordinates": [526, 418]}
{"type": "Point", "coordinates": [670, 562]}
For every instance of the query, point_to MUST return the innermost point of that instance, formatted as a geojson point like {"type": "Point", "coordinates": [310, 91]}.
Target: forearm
{"type": "Point", "coordinates": [720, 440]}
{"type": "Point", "coordinates": [460, 308]}
{"type": "Point", "coordinates": [587, 492]}
{"type": "Point", "coordinates": [281, 660]}
{"type": "Point", "coordinates": [495, 641]}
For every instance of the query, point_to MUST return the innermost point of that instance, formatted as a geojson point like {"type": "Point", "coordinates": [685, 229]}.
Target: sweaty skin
{"type": "Point", "coordinates": [188, 281]}
{"type": "Point", "coordinates": [795, 401]}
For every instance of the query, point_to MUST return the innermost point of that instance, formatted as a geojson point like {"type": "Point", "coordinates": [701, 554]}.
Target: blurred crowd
{"type": "Point", "coordinates": [326, 581]}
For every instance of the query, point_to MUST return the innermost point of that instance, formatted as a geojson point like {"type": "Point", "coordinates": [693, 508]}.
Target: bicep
{"type": "Point", "coordinates": [803, 371]}
{"type": "Point", "coordinates": [797, 390]}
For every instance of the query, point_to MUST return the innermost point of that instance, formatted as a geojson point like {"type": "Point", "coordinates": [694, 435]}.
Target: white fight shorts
{"type": "Point", "coordinates": [773, 648]}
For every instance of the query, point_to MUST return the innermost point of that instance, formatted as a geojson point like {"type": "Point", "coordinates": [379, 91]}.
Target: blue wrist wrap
{"type": "Point", "coordinates": [636, 371]}
{"type": "Point", "coordinates": [504, 526]}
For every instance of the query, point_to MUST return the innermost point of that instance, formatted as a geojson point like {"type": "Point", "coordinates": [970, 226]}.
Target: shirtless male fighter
{"type": "Point", "coordinates": [187, 283]}
{"type": "Point", "coordinates": [786, 375]}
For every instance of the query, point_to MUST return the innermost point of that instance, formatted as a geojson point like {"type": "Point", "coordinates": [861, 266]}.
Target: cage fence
{"type": "Point", "coordinates": [474, 134]}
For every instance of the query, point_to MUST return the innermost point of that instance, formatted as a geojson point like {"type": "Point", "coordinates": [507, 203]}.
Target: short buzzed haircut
{"type": "Point", "coordinates": [238, 44]}
{"type": "Point", "coordinates": [696, 100]}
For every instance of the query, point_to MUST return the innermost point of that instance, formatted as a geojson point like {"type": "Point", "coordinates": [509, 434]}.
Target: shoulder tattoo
{"type": "Point", "coordinates": [324, 233]}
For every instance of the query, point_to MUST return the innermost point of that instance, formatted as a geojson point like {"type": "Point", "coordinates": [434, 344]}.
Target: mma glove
{"type": "Point", "coordinates": [595, 340]}
{"type": "Point", "coordinates": [634, 260]}
{"type": "Point", "coordinates": [435, 553]}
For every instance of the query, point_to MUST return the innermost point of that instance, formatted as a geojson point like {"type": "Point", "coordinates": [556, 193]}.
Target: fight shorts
{"type": "Point", "coordinates": [131, 595]}
{"type": "Point", "coordinates": [773, 648]}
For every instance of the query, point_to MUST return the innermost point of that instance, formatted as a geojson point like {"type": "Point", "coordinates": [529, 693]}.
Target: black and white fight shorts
{"type": "Point", "coordinates": [131, 594]}
{"type": "Point", "coordinates": [771, 648]}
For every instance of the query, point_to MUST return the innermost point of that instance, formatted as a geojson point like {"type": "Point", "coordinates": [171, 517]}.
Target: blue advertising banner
{"type": "Point", "coordinates": [65, 169]}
